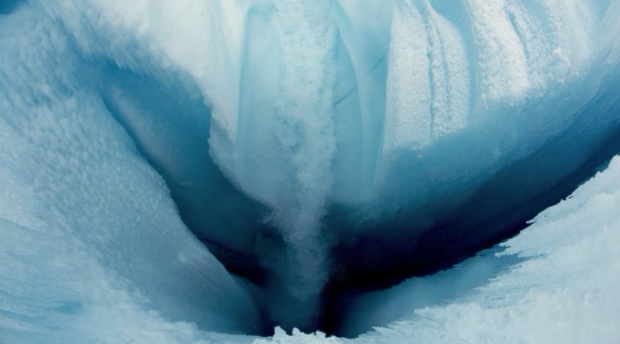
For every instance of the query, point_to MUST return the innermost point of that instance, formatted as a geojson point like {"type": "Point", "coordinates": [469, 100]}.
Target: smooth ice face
{"type": "Point", "coordinates": [309, 144]}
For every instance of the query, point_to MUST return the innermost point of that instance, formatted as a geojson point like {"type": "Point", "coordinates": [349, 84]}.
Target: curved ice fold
{"type": "Point", "coordinates": [556, 285]}
{"type": "Point", "coordinates": [90, 236]}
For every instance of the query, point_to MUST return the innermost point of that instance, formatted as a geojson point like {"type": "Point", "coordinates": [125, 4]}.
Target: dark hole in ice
{"type": "Point", "coordinates": [379, 257]}
{"type": "Point", "coordinates": [499, 210]}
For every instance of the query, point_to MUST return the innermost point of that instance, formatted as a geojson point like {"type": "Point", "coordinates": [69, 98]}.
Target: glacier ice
{"type": "Point", "coordinates": [315, 147]}
{"type": "Point", "coordinates": [555, 282]}
{"type": "Point", "coordinates": [90, 236]}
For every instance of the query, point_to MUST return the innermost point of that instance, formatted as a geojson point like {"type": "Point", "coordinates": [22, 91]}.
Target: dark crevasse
{"type": "Point", "coordinates": [411, 214]}
{"type": "Point", "coordinates": [171, 131]}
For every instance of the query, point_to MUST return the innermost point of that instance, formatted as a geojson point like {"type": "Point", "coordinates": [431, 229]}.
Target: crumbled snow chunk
{"type": "Point", "coordinates": [298, 337]}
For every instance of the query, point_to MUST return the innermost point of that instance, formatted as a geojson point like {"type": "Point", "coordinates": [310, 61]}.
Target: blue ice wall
{"type": "Point", "coordinates": [313, 143]}
{"type": "Point", "coordinates": [90, 234]}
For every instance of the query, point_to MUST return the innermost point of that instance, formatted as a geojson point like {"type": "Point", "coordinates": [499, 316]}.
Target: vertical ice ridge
{"type": "Point", "coordinates": [365, 30]}
{"type": "Point", "coordinates": [451, 77]}
{"type": "Point", "coordinates": [537, 53]}
{"type": "Point", "coordinates": [305, 129]}
{"type": "Point", "coordinates": [408, 117]}
{"type": "Point", "coordinates": [437, 70]}
{"type": "Point", "coordinates": [428, 80]}
{"type": "Point", "coordinates": [503, 65]}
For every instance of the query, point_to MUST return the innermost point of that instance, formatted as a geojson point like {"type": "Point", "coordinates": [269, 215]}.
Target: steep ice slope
{"type": "Point", "coordinates": [92, 247]}
{"type": "Point", "coordinates": [563, 290]}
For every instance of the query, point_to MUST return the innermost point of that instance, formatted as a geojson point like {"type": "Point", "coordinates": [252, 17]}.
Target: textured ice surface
{"type": "Point", "coordinates": [560, 286]}
{"type": "Point", "coordinates": [92, 247]}
{"type": "Point", "coordinates": [310, 141]}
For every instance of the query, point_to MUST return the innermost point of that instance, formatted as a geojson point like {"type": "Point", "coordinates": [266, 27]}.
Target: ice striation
{"type": "Point", "coordinates": [200, 171]}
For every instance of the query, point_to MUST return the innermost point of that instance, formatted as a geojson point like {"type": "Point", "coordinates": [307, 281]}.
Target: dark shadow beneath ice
{"type": "Point", "coordinates": [362, 312]}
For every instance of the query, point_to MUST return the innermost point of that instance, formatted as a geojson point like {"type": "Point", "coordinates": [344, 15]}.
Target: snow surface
{"type": "Point", "coordinates": [286, 113]}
